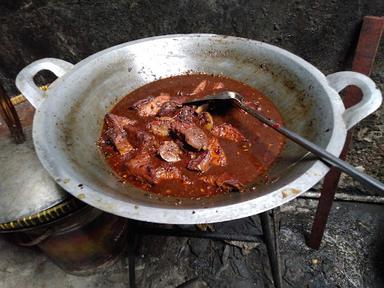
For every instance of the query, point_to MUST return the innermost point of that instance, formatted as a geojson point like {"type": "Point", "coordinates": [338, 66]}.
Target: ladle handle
{"type": "Point", "coordinates": [316, 150]}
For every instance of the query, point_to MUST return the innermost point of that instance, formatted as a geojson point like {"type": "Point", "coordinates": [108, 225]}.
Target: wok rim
{"type": "Point", "coordinates": [179, 215]}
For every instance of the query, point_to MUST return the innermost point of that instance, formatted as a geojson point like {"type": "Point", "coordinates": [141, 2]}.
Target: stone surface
{"type": "Point", "coordinates": [352, 255]}
{"type": "Point", "coordinates": [323, 34]}
{"type": "Point", "coordinates": [23, 267]}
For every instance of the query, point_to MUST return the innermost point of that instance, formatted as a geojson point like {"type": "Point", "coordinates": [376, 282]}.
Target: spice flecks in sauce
{"type": "Point", "coordinates": [169, 149]}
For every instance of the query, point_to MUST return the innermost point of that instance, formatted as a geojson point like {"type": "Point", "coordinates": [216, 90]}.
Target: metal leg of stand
{"type": "Point", "coordinates": [199, 234]}
{"type": "Point", "coordinates": [271, 241]}
{"type": "Point", "coordinates": [131, 255]}
{"type": "Point", "coordinates": [269, 226]}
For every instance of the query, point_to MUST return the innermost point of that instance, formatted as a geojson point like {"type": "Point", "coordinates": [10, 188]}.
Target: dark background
{"type": "Point", "coordinates": [322, 32]}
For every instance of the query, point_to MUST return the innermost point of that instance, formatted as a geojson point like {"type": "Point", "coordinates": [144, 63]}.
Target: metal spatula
{"type": "Point", "coordinates": [323, 155]}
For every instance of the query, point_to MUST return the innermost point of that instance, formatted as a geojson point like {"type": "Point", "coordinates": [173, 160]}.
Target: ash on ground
{"type": "Point", "coordinates": [352, 255]}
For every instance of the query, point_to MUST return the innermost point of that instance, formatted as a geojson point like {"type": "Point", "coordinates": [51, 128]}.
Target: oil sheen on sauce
{"type": "Point", "coordinates": [246, 163]}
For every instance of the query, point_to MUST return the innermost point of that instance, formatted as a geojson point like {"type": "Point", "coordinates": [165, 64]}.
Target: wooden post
{"type": "Point", "coordinates": [8, 113]}
{"type": "Point", "coordinates": [363, 60]}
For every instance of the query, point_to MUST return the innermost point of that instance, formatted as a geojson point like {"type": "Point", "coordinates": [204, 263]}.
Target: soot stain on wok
{"type": "Point", "coordinates": [153, 142]}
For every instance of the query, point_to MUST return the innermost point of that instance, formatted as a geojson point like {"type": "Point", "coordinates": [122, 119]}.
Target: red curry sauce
{"type": "Point", "coordinates": [246, 160]}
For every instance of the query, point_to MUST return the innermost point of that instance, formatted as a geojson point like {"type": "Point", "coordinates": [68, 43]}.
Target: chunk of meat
{"type": "Point", "coordinates": [165, 172]}
{"type": "Point", "coordinates": [224, 182]}
{"type": "Point", "coordinates": [150, 106]}
{"type": "Point", "coordinates": [181, 97]}
{"type": "Point", "coordinates": [170, 151]}
{"type": "Point", "coordinates": [119, 122]}
{"type": "Point", "coordinates": [217, 153]}
{"type": "Point", "coordinates": [117, 133]}
{"type": "Point", "coordinates": [142, 167]}
{"type": "Point", "coordinates": [205, 120]}
{"type": "Point", "coordinates": [161, 126]}
{"type": "Point", "coordinates": [199, 88]}
{"type": "Point", "coordinates": [195, 137]}
{"type": "Point", "coordinates": [191, 134]}
{"type": "Point", "coordinates": [228, 183]}
{"type": "Point", "coordinates": [121, 142]}
{"type": "Point", "coordinates": [218, 85]}
{"type": "Point", "coordinates": [146, 141]}
{"type": "Point", "coordinates": [169, 108]}
{"type": "Point", "coordinates": [227, 131]}
{"type": "Point", "coordinates": [201, 163]}
{"type": "Point", "coordinates": [213, 156]}
{"type": "Point", "coordinates": [186, 114]}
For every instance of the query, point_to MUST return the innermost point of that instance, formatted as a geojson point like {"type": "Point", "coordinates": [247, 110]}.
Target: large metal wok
{"type": "Point", "coordinates": [69, 117]}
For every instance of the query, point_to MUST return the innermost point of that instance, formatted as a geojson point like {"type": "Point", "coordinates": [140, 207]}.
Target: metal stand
{"type": "Point", "coordinates": [271, 240]}
{"type": "Point", "coordinates": [269, 237]}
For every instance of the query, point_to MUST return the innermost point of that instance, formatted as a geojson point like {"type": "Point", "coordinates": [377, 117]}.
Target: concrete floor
{"type": "Point", "coordinates": [351, 256]}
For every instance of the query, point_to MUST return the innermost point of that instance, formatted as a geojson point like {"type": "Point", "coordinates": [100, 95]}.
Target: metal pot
{"type": "Point", "coordinates": [70, 114]}
{"type": "Point", "coordinates": [82, 242]}
{"type": "Point", "coordinates": [35, 211]}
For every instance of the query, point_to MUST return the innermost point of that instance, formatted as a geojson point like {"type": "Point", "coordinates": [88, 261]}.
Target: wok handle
{"type": "Point", "coordinates": [370, 102]}
{"type": "Point", "coordinates": [26, 84]}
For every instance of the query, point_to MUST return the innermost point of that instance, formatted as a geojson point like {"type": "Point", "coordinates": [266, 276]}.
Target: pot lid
{"type": "Point", "coordinates": [45, 217]}
{"type": "Point", "coordinates": [25, 187]}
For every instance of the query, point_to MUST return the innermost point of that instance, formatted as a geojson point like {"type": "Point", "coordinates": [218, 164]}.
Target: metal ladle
{"type": "Point", "coordinates": [325, 156]}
